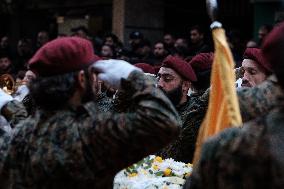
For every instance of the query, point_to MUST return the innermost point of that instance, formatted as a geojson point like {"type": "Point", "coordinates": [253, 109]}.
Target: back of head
{"type": "Point", "coordinates": [202, 64]}
{"type": "Point", "coordinates": [136, 35]}
{"type": "Point", "coordinates": [56, 65]}
{"type": "Point", "coordinates": [272, 49]}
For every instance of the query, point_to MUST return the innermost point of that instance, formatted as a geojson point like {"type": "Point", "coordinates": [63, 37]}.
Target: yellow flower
{"type": "Point", "coordinates": [167, 172]}
{"type": "Point", "coordinates": [155, 167]}
{"type": "Point", "coordinates": [189, 165]}
{"type": "Point", "coordinates": [187, 175]}
{"type": "Point", "coordinates": [144, 171]}
{"type": "Point", "coordinates": [158, 159]}
{"type": "Point", "coordinates": [132, 175]}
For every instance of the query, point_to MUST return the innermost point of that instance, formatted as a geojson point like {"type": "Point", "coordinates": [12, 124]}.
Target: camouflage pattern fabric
{"type": "Point", "coordinates": [192, 113]}
{"type": "Point", "coordinates": [79, 148]}
{"type": "Point", "coordinates": [104, 103]}
{"type": "Point", "coordinates": [259, 100]}
{"type": "Point", "coordinates": [251, 157]}
{"type": "Point", "coordinates": [29, 104]}
{"type": "Point", "coordinates": [256, 101]}
{"type": "Point", "coordinates": [14, 112]}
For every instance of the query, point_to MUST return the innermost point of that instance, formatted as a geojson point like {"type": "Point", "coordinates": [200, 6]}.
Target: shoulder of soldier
{"type": "Point", "coordinates": [195, 102]}
{"type": "Point", "coordinates": [212, 146]}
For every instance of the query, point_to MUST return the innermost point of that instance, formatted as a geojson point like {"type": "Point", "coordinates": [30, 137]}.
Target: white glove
{"type": "Point", "coordinates": [4, 98]}
{"type": "Point", "coordinates": [21, 93]}
{"type": "Point", "coordinates": [112, 71]}
{"type": "Point", "coordinates": [239, 83]}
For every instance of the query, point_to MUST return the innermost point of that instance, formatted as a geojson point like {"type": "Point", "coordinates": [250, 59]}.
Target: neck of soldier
{"type": "Point", "coordinates": [183, 99]}
{"type": "Point", "coordinates": [75, 100]}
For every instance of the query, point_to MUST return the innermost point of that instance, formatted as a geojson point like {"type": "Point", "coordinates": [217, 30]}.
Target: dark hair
{"type": "Point", "coordinates": [267, 27]}
{"type": "Point", "coordinates": [168, 33]}
{"type": "Point", "coordinates": [136, 35]}
{"type": "Point", "coordinates": [53, 92]}
{"type": "Point", "coordinates": [165, 47]}
{"type": "Point", "coordinates": [198, 28]}
{"type": "Point", "coordinates": [82, 28]}
{"type": "Point", "coordinates": [113, 36]}
{"type": "Point", "coordinates": [114, 53]}
{"type": "Point", "coordinates": [182, 51]}
{"type": "Point", "coordinates": [203, 80]}
{"type": "Point", "coordinates": [5, 54]}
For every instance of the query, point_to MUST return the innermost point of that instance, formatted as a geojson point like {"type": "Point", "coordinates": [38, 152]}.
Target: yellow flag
{"type": "Point", "coordinates": [223, 109]}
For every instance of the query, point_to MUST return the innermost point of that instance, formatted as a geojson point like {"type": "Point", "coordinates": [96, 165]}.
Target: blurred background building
{"type": "Point", "coordinates": [24, 18]}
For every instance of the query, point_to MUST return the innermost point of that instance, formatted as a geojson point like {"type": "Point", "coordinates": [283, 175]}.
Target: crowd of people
{"type": "Point", "coordinates": [86, 108]}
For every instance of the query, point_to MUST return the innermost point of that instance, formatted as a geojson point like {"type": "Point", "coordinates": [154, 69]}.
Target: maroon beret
{"type": "Point", "coordinates": [202, 62]}
{"type": "Point", "coordinates": [180, 66]}
{"type": "Point", "coordinates": [63, 55]}
{"type": "Point", "coordinates": [147, 68]}
{"type": "Point", "coordinates": [272, 47]}
{"type": "Point", "coordinates": [157, 68]}
{"type": "Point", "coordinates": [256, 55]}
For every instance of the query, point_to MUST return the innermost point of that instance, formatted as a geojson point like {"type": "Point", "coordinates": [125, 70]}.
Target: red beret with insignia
{"type": "Point", "coordinates": [180, 66]}
{"type": "Point", "coordinates": [63, 55]}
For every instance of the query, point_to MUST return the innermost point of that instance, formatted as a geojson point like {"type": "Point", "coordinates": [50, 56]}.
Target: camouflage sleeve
{"type": "Point", "coordinates": [239, 72]}
{"type": "Point", "coordinates": [183, 148]}
{"type": "Point", "coordinates": [4, 144]}
{"type": "Point", "coordinates": [259, 100]}
{"type": "Point", "coordinates": [122, 99]}
{"type": "Point", "coordinates": [117, 140]}
{"type": "Point", "coordinates": [14, 112]}
{"type": "Point", "coordinates": [206, 172]}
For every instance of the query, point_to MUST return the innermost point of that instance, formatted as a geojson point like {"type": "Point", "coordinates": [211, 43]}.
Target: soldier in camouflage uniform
{"type": "Point", "coordinates": [255, 68]}
{"type": "Point", "coordinates": [261, 99]}
{"type": "Point", "coordinates": [256, 101]}
{"type": "Point", "coordinates": [175, 77]}
{"type": "Point", "coordinates": [67, 144]}
{"type": "Point", "coordinates": [251, 157]}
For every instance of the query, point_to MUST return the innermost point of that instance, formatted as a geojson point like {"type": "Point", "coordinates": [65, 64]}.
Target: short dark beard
{"type": "Point", "coordinates": [175, 95]}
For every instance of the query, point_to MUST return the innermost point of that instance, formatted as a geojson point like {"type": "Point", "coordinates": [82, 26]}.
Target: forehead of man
{"type": "Point", "coordinates": [164, 71]}
{"type": "Point", "coordinates": [249, 64]}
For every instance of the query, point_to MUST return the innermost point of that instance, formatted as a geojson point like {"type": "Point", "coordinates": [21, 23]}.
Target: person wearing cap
{"type": "Point", "coordinates": [135, 41]}
{"type": "Point", "coordinates": [255, 68]}
{"type": "Point", "coordinates": [202, 64]}
{"type": "Point", "coordinates": [6, 64]}
{"type": "Point", "coordinates": [160, 52]}
{"type": "Point", "coordinates": [175, 78]}
{"type": "Point", "coordinates": [67, 143]}
{"type": "Point", "coordinates": [251, 156]}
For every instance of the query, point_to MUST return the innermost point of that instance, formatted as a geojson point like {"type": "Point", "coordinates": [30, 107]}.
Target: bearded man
{"type": "Point", "coordinates": [176, 78]}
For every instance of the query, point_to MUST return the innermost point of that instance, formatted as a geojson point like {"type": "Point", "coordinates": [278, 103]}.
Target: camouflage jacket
{"type": "Point", "coordinates": [14, 112]}
{"type": "Point", "coordinates": [104, 103]}
{"type": "Point", "coordinates": [251, 157]}
{"type": "Point", "coordinates": [259, 100]}
{"type": "Point", "coordinates": [79, 148]}
{"type": "Point", "coordinates": [192, 113]}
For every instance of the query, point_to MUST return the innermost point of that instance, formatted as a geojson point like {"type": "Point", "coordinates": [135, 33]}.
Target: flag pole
{"type": "Point", "coordinates": [223, 108]}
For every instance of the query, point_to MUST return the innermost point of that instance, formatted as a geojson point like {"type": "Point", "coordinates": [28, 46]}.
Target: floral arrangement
{"type": "Point", "coordinates": [153, 172]}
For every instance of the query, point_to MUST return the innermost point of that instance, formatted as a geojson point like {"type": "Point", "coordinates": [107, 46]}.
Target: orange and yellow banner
{"type": "Point", "coordinates": [223, 109]}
